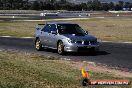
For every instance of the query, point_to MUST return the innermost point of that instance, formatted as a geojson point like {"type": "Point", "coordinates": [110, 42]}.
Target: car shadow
{"type": "Point", "coordinates": [79, 53]}
{"type": "Point", "coordinates": [87, 54]}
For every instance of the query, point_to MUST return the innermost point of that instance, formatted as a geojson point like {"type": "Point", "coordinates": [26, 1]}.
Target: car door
{"type": "Point", "coordinates": [53, 36]}
{"type": "Point", "coordinates": [45, 35]}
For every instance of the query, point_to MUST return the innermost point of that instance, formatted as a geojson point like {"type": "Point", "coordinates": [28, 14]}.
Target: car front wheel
{"type": "Point", "coordinates": [60, 48]}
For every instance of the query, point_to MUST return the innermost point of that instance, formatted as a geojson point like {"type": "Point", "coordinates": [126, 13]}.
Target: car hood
{"type": "Point", "coordinates": [85, 37]}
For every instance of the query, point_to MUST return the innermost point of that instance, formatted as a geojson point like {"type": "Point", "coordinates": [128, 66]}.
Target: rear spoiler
{"type": "Point", "coordinates": [40, 26]}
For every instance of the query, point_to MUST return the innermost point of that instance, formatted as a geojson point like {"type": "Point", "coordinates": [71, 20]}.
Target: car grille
{"type": "Point", "coordinates": [79, 42]}
{"type": "Point", "coordinates": [86, 42]}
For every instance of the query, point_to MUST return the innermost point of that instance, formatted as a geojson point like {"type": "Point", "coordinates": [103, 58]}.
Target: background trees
{"type": "Point", "coordinates": [94, 5]}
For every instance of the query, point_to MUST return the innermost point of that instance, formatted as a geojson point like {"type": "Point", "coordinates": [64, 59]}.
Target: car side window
{"type": "Point", "coordinates": [53, 28]}
{"type": "Point", "coordinates": [47, 28]}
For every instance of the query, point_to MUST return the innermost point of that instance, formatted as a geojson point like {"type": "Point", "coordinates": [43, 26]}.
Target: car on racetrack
{"type": "Point", "coordinates": [64, 37]}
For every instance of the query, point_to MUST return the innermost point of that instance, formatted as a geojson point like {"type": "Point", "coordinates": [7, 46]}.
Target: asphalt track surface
{"type": "Point", "coordinates": [110, 54]}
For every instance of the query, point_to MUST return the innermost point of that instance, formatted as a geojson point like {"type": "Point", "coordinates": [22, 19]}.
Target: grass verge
{"type": "Point", "coordinates": [26, 70]}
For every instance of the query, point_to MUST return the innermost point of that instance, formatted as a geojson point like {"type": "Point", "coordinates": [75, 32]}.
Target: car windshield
{"type": "Point", "coordinates": [70, 29]}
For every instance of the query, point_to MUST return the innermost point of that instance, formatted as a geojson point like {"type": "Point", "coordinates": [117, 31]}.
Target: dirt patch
{"type": "Point", "coordinates": [93, 67]}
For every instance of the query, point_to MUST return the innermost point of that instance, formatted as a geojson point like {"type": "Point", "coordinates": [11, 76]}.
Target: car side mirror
{"type": "Point", "coordinates": [53, 32]}
{"type": "Point", "coordinates": [86, 32]}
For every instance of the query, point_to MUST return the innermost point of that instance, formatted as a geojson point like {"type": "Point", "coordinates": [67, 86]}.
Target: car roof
{"type": "Point", "coordinates": [59, 23]}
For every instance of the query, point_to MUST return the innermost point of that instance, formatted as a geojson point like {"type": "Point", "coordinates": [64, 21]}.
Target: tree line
{"type": "Point", "coordinates": [93, 5]}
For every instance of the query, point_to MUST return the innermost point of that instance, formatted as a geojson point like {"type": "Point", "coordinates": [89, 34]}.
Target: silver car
{"type": "Point", "coordinates": [65, 37]}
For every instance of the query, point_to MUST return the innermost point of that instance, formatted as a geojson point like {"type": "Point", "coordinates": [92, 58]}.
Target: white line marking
{"type": "Point", "coordinates": [6, 36]}
{"type": "Point", "coordinates": [56, 19]}
{"type": "Point", "coordinates": [117, 42]}
{"type": "Point", "coordinates": [27, 37]}
{"type": "Point", "coordinates": [16, 37]}
{"type": "Point", "coordinates": [128, 42]}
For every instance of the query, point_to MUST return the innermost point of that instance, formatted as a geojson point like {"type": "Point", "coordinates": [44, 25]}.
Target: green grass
{"type": "Point", "coordinates": [26, 70]}
{"type": "Point", "coordinates": [109, 29]}
{"type": "Point", "coordinates": [18, 29]}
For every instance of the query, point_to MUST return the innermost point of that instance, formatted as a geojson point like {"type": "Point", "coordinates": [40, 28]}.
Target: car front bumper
{"type": "Point", "coordinates": [81, 48]}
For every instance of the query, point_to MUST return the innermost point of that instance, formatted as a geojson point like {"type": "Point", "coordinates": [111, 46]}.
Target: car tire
{"type": "Point", "coordinates": [60, 48]}
{"type": "Point", "coordinates": [38, 45]}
